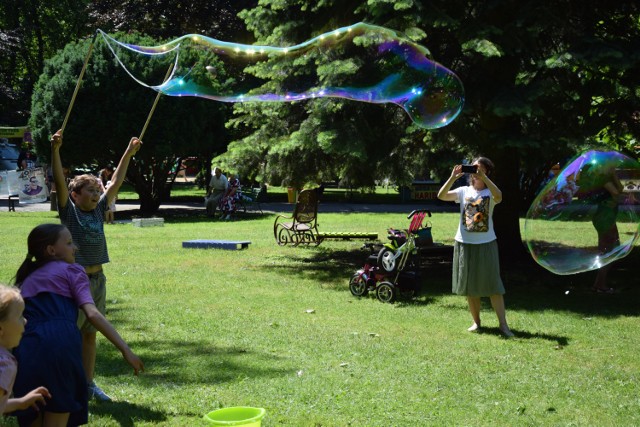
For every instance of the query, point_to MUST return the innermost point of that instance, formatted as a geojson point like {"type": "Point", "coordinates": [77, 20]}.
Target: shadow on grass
{"type": "Point", "coordinates": [529, 286]}
{"type": "Point", "coordinates": [533, 288]}
{"type": "Point", "coordinates": [166, 361]}
{"type": "Point", "coordinates": [560, 341]}
{"type": "Point", "coordinates": [127, 414]}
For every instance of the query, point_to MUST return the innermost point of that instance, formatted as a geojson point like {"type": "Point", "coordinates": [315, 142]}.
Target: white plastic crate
{"type": "Point", "coordinates": [148, 222]}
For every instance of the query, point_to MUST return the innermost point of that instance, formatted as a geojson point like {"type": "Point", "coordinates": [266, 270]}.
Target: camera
{"type": "Point", "coordinates": [469, 168]}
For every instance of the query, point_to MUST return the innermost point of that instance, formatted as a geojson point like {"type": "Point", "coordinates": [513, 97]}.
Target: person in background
{"type": "Point", "coordinates": [231, 197]}
{"type": "Point", "coordinates": [26, 158]}
{"type": "Point", "coordinates": [604, 221]}
{"type": "Point", "coordinates": [182, 170]}
{"type": "Point", "coordinates": [476, 265]}
{"type": "Point", "coordinates": [215, 191]}
{"type": "Point", "coordinates": [105, 175]}
{"type": "Point", "coordinates": [110, 214]}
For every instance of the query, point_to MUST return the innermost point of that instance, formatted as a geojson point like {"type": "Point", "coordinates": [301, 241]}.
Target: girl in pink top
{"type": "Point", "coordinates": [50, 353]}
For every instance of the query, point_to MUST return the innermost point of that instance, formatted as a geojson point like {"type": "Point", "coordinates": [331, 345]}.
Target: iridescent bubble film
{"type": "Point", "coordinates": [361, 62]}
{"type": "Point", "coordinates": [588, 215]}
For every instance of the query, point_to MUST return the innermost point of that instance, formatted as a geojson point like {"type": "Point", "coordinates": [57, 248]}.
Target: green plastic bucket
{"type": "Point", "coordinates": [236, 416]}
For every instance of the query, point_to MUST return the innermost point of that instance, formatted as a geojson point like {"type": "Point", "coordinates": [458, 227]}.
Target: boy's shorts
{"type": "Point", "coordinates": [98, 285]}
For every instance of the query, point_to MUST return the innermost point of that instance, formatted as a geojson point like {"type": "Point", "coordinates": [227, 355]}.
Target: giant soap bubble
{"type": "Point", "coordinates": [588, 215]}
{"type": "Point", "coordinates": [361, 62]}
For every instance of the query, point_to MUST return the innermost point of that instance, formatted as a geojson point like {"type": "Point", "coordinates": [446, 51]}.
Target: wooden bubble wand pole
{"type": "Point", "coordinates": [153, 107]}
{"type": "Point", "coordinates": [75, 92]}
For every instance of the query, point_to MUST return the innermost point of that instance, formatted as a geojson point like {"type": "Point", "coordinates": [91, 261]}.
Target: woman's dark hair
{"type": "Point", "coordinates": [487, 163]}
{"type": "Point", "coordinates": [40, 237]}
{"type": "Point", "coordinates": [107, 170]}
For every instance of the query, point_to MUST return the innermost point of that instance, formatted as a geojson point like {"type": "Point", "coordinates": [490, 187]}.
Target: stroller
{"type": "Point", "coordinates": [404, 243]}
{"type": "Point", "coordinates": [392, 269]}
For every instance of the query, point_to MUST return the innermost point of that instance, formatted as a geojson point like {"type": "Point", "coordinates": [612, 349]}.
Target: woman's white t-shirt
{"type": "Point", "coordinates": [476, 215]}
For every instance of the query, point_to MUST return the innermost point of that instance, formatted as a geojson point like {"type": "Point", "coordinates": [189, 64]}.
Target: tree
{"type": "Point", "coordinates": [30, 32]}
{"type": "Point", "coordinates": [312, 141]}
{"type": "Point", "coordinates": [167, 18]}
{"type": "Point", "coordinates": [111, 107]}
{"type": "Point", "coordinates": [542, 81]}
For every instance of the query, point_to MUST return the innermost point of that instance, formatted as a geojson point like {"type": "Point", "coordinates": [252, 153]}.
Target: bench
{"type": "Point", "coordinates": [250, 201]}
{"type": "Point", "coordinates": [216, 244]}
{"type": "Point", "coordinates": [347, 235]}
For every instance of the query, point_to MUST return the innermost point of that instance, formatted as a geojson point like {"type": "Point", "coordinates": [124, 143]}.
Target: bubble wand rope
{"type": "Point", "coordinates": [153, 108]}
{"type": "Point", "coordinates": [75, 92]}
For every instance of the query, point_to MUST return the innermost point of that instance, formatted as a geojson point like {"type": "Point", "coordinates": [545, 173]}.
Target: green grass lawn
{"type": "Point", "coordinates": [276, 327]}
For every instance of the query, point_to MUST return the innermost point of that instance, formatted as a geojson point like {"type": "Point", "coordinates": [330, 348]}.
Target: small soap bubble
{"type": "Point", "coordinates": [587, 216]}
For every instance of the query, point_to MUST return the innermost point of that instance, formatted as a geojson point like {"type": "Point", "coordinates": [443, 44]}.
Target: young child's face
{"type": "Point", "coordinates": [12, 327]}
{"type": "Point", "coordinates": [64, 249]}
{"type": "Point", "coordinates": [87, 197]}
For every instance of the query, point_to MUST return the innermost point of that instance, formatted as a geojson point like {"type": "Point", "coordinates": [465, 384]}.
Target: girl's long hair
{"type": "Point", "coordinates": [40, 237]}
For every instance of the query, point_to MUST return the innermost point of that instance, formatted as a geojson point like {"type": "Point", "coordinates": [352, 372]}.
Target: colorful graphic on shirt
{"type": "Point", "coordinates": [476, 214]}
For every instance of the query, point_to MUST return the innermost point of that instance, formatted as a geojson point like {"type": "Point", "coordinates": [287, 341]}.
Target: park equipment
{"type": "Point", "coordinates": [403, 243]}
{"type": "Point", "coordinates": [249, 201]}
{"type": "Point", "coordinates": [302, 226]}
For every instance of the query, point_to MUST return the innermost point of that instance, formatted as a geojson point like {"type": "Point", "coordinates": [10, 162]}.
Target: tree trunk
{"type": "Point", "coordinates": [506, 217]}
{"type": "Point", "coordinates": [149, 204]}
{"type": "Point", "coordinates": [146, 186]}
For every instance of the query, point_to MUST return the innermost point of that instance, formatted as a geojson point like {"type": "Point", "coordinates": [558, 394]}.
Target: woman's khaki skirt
{"type": "Point", "coordinates": [476, 270]}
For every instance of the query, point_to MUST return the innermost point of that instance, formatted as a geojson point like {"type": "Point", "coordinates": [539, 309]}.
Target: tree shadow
{"type": "Point", "coordinates": [127, 414]}
{"type": "Point", "coordinates": [533, 288]}
{"type": "Point", "coordinates": [529, 286]}
{"type": "Point", "coordinates": [166, 359]}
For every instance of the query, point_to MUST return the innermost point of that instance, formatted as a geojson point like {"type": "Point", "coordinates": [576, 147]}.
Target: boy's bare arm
{"type": "Point", "coordinates": [59, 180]}
{"type": "Point", "coordinates": [121, 171]}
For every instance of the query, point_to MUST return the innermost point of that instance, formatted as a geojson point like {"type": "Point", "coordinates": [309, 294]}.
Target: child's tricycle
{"type": "Point", "coordinates": [387, 286]}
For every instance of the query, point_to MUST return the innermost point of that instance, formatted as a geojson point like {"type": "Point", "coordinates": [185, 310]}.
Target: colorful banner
{"type": "Point", "coordinates": [8, 183]}
{"type": "Point", "coordinates": [32, 186]}
{"type": "Point", "coordinates": [15, 132]}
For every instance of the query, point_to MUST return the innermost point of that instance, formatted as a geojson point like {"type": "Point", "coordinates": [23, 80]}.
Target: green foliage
{"type": "Point", "coordinates": [483, 47]}
{"type": "Point", "coordinates": [168, 19]}
{"type": "Point", "coordinates": [30, 32]}
{"type": "Point", "coordinates": [111, 107]}
{"type": "Point", "coordinates": [542, 82]}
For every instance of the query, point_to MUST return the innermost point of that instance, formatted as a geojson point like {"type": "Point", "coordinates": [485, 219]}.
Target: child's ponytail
{"type": "Point", "coordinates": [40, 237]}
{"type": "Point", "coordinates": [28, 266]}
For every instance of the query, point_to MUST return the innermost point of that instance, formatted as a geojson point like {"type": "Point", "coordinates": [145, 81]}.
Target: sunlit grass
{"type": "Point", "coordinates": [276, 327]}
